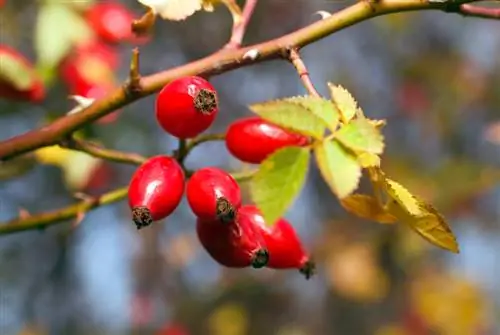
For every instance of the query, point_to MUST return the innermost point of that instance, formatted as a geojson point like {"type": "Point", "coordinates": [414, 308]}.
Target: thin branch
{"type": "Point", "coordinates": [301, 68]}
{"type": "Point", "coordinates": [186, 147]}
{"type": "Point", "coordinates": [204, 138]}
{"type": "Point", "coordinates": [214, 64]}
{"type": "Point", "coordinates": [46, 219]}
{"type": "Point", "coordinates": [100, 152]}
{"type": "Point", "coordinates": [77, 211]}
{"type": "Point", "coordinates": [478, 11]}
{"type": "Point", "coordinates": [240, 26]}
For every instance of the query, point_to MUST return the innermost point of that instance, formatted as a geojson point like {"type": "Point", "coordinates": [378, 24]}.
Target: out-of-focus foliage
{"type": "Point", "coordinates": [432, 76]}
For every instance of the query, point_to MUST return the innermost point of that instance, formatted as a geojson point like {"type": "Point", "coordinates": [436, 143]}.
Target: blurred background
{"type": "Point", "coordinates": [434, 77]}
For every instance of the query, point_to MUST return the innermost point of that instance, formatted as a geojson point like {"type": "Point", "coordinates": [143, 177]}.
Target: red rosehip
{"type": "Point", "coordinates": [155, 190]}
{"type": "Point", "coordinates": [89, 65]}
{"type": "Point", "coordinates": [36, 90]}
{"type": "Point", "coordinates": [285, 248]}
{"type": "Point", "coordinates": [213, 194]}
{"type": "Point", "coordinates": [186, 107]}
{"type": "Point", "coordinates": [234, 244]}
{"type": "Point", "coordinates": [253, 139]}
{"type": "Point", "coordinates": [111, 21]}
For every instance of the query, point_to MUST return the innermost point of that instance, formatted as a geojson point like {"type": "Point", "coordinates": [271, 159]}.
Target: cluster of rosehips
{"type": "Point", "coordinates": [89, 70]}
{"type": "Point", "coordinates": [234, 235]}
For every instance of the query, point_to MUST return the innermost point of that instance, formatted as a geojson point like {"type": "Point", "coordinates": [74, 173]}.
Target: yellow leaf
{"type": "Point", "coordinates": [367, 207]}
{"type": "Point", "coordinates": [78, 169]}
{"type": "Point", "coordinates": [406, 201]}
{"type": "Point", "coordinates": [53, 155]}
{"type": "Point", "coordinates": [420, 216]}
{"type": "Point", "coordinates": [339, 168]}
{"type": "Point", "coordinates": [434, 228]}
{"type": "Point", "coordinates": [347, 105]}
{"type": "Point", "coordinates": [367, 160]}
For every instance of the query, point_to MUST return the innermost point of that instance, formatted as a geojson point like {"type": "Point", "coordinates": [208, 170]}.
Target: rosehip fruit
{"type": "Point", "coordinates": [155, 190]}
{"type": "Point", "coordinates": [284, 246]}
{"type": "Point", "coordinates": [234, 244]}
{"type": "Point", "coordinates": [186, 107]}
{"type": "Point", "coordinates": [253, 139]}
{"type": "Point", "coordinates": [111, 21]}
{"type": "Point", "coordinates": [213, 194]}
{"type": "Point", "coordinates": [89, 65]}
{"type": "Point", "coordinates": [35, 90]}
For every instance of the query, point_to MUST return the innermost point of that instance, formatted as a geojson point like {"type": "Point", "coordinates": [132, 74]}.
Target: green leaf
{"type": "Point", "coordinates": [345, 102]}
{"type": "Point", "coordinates": [293, 115]}
{"type": "Point", "coordinates": [58, 28]}
{"type": "Point", "coordinates": [16, 72]}
{"type": "Point", "coordinates": [361, 135]}
{"type": "Point", "coordinates": [279, 181]}
{"type": "Point", "coordinates": [322, 108]}
{"type": "Point", "coordinates": [339, 168]}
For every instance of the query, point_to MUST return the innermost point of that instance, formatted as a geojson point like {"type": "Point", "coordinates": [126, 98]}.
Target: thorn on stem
{"type": "Point", "coordinates": [133, 85]}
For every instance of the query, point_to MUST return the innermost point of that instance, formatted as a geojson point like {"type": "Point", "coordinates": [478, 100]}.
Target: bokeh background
{"type": "Point", "coordinates": [434, 77]}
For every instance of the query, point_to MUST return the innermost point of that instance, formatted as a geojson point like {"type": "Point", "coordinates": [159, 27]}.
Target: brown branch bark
{"type": "Point", "coordinates": [303, 73]}
{"type": "Point", "coordinates": [240, 27]}
{"type": "Point", "coordinates": [217, 63]}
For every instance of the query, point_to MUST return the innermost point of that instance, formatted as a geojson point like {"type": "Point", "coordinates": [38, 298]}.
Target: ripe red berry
{"type": "Point", "coordinates": [89, 65]}
{"type": "Point", "coordinates": [15, 61]}
{"type": "Point", "coordinates": [285, 248]}
{"type": "Point", "coordinates": [186, 107]}
{"type": "Point", "coordinates": [234, 244]}
{"type": "Point", "coordinates": [155, 190]}
{"type": "Point", "coordinates": [111, 21]}
{"type": "Point", "coordinates": [213, 194]}
{"type": "Point", "coordinates": [253, 139]}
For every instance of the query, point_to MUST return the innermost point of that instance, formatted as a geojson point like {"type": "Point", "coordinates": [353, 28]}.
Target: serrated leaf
{"type": "Point", "coordinates": [361, 136]}
{"type": "Point", "coordinates": [407, 201]}
{"type": "Point", "coordinates": [368, 160]}
{"type": "Point", "coordinates": [420, 216]}
{"type": "Point", "coordinates": [434, 228]}
{"type": "Point", "coordinates": [345, 102]}
{"type": "Point", "coordinates": [292, 115]}
{"type": "Point", "coordinates": [338, 167]}
{"type": "Point", "coordinates": [367, 207]}
{"type": "Point", "coordinates": [58, 28]}
{"type": "Point", "coordinates": [279, 181]}
{"type": "Point", "coordinates": [15, 72]}
{"type": "Point", "coordinates": [322, 108]}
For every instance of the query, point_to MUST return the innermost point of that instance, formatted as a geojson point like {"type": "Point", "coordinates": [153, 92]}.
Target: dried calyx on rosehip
{"type": "Point", "coordinates": [253, 139]}
{"type": "Point", "coordinates": [285, 248]}
{"type": "Point", "coordinates": [155, 190]}
{"type": "Point", "coordinates": [186, 107]}
{"type": "Point", "coordinates": [213, 194]}
{"type": "Point", "coordinates": [234, 244]}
